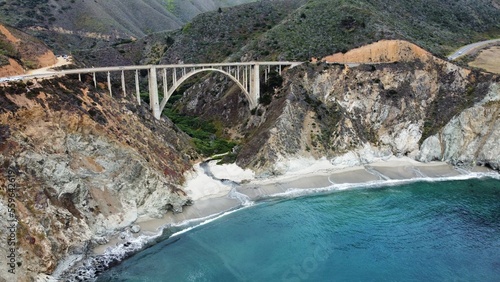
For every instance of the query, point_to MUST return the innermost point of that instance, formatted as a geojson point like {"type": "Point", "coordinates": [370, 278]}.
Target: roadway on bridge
{"type": "Point", "coordinates": [471, 47]}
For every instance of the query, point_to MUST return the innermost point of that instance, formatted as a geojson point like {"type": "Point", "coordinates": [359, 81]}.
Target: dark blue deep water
{"type": "Point", "coordinates": [424, 231]}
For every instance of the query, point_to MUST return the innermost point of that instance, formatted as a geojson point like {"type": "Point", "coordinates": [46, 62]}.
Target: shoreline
{"type": "Point", "coordinates": [224, 198]}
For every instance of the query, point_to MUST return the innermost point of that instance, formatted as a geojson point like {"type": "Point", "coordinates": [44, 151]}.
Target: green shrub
{"type": "Point", "coordinates": [204, 133]}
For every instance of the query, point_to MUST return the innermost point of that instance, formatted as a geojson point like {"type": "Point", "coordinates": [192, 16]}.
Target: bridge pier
{"type": "Point", "coordinates": [254, 86]}
{"type": "Point", "coordinates": [165, 83]}
{"type": "Point", "coordinates": [153, 93]}
{"type": "Point", "coordinates": [137, 90]}
{"type": "Point", "coordinates": [109, 84]}
{"type": "Point", "coordinates": [123, 84]}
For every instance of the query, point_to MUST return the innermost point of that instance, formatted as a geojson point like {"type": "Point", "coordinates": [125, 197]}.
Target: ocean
{"type": "Point", "coordinates": [418, 231]}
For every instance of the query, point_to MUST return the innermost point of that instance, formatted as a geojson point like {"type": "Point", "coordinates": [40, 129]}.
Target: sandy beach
{"type": "Point", "coordinates": [230, 187]}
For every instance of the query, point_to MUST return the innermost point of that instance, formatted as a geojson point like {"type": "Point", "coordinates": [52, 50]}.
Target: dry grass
{"type": "Point", "coordinates": [488, 59]}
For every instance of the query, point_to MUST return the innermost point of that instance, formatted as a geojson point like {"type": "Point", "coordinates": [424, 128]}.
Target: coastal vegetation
{"type": "Point", "coordinates": [206, 134]}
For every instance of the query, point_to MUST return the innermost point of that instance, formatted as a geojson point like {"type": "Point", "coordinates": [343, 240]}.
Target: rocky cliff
{"type": "Point", "coordinates": [422, 107]}
{"type": "Point", "coordinates": [84, 165]}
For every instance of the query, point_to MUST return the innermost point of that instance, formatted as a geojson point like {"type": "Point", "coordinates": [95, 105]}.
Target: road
{"type": "Point", "coordinates": [46, 72]}
{"type": "Point", "coordinates": [469, 48]}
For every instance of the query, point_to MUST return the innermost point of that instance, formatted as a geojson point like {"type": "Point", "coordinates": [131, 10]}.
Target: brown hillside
{"type": "Point", "coordinates": [8, 35]}
{"type": "Point", "coordinates": [23, 52]}
{"type": "Point", "coordinates": [11, 69]}
{"type": "Point", "coordinates": [384, 51]}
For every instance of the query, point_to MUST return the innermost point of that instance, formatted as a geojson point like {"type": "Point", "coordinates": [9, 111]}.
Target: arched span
{"type": "Point", "coordinates": [252, 100]}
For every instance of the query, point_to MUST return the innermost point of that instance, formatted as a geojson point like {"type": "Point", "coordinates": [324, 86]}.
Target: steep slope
{"type": "Point", "coordinates": [71, 25]}
{"type": "Point", "coordinates": [210, 37]}
{"type": "Point", "coordinates": [323, 27]}
{"type": "Point", "coordinates": [19, 51]}
{"type": "Point", "coordinates": [85, 165]}
{"type": "Point", "coordinates": [320, 28]}
{"type": "Point", "coordinates": [214, 36]}
{"type": "Point", "coordinates": [300, 30]}
{"type": "Point", "coordinates": [383, 51]}
{"type": "Point", "coordinates": [426, 109]}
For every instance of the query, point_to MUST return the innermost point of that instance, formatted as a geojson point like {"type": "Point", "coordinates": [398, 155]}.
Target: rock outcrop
{"type": "Point", "coordinates": [471, 137]}
{"type": "Point", "coordinates": [85, 166]}
{"type": "Point", "coordinates": [416, 105]}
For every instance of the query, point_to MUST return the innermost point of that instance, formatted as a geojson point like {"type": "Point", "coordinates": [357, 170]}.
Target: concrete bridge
{"type": "Point", "coordinates": [246, 75]}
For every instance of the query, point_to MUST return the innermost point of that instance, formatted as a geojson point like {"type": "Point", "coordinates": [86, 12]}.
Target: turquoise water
{"type": "Point", "coordinates": [426, 231]}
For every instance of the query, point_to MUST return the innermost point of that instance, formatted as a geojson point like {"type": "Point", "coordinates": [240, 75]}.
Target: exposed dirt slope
{"type": "Point", "coordinates": [8, 35]}
{"type": "Point", "coordinates": [20, 51]}
{"type": "Point", "coordinates": [12, 68]}
{"type": "Point", "coordinates": [384, 51]}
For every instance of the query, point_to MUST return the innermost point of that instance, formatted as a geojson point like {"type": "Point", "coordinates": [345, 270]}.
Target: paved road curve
{"type": "Point", "coordinates": [468, 48]}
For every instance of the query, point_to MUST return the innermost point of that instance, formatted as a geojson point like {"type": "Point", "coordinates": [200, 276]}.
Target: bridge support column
{"type": "Point", "coordinates": [137, 90]}
{"type": "Point", "coordinates": [254, 86]}
{"type": "Point", "coordinates": [165, 84]}
{"type": "Point", "coordinates": [153, 93]}
{"type": "Point", "coordinates": [245, 78]}
{"type": "Point", "coordinates": [95, 81]}
{"type": "Point", "coordinates": [123, 84]}
{"type": "Point", "coordinates": [109, 84]}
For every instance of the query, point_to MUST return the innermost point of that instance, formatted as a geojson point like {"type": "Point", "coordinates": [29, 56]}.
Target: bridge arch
{"type": "Point", "coordinates": [252, 99]}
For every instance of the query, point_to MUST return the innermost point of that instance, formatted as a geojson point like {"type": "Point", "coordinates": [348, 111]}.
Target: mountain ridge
{"type": "Point", "coordinates": [110, 19]}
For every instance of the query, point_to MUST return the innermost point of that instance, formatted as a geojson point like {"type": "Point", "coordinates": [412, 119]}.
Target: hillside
{"type": "Point", "coordinates": [63, 26]}
{"type": "Point", "coordinates": [300, 30]}
{"type": "Point", "coordinates": [323, 27]}
{"type": "Point", "coordinates": [210, 37]}
{"type": "Point", "coordinates": [89, 165]}
{"type": "Point", "coordinates": [383, 51]}
{"type": "Point", "coordinates": [422, 107]}
{"type": "Point", "coordinates": [20, 51]}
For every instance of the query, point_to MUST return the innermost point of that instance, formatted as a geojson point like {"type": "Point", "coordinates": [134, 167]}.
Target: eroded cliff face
{"type": "Point", "coordinates": [424, 108]}
{"type": "Point", "coordinates": [471, 137]}
{"type": "Point", "coordinates": [85, 166]}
